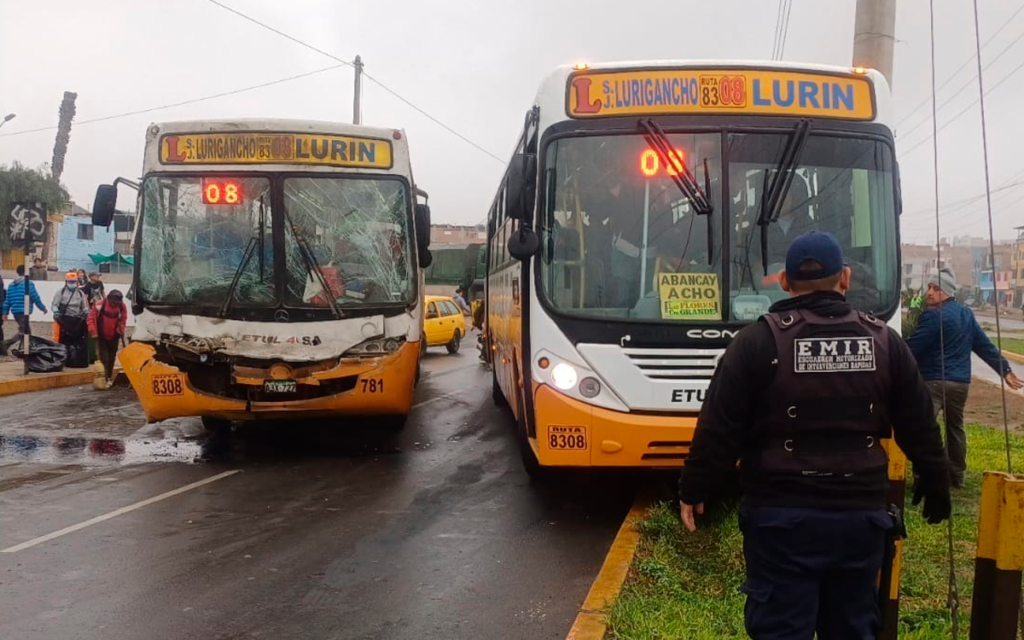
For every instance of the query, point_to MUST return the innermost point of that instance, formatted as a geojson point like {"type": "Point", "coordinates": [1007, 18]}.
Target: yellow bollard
{"type": "Point", "coordinates": [999, 559]}
{"type": "Point", "coordinates": [889, 581]}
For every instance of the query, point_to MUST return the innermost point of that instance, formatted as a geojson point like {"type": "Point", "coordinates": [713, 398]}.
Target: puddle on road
{"type": "Point", "coordinates": [185, 440]}
{"type": "Point", "coordinates": [96, 451]}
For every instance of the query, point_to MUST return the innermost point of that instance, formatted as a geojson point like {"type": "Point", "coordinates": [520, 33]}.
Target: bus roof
{"type": "Point", "coordinates": [553, 96]}
{"type": "Point", "coordinates": [270, 144]}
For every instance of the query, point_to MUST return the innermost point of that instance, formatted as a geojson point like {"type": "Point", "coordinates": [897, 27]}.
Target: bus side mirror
{"type": "Point", "coordinates": [523, 244]}
{"type": "Point", "coordinates": [423, 235]}
{"type": "Point", "coordinates": [521, 187]}
{"type": "Point", "coordinates": [103, 205]}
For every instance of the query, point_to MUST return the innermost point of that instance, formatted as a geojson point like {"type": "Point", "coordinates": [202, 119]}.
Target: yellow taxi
{"type": "Point", "coordinates": [443, 324]}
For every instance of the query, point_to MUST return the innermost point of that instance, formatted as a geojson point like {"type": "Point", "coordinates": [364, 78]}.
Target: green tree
{"type": "Point", "coordinates": [19, 183]}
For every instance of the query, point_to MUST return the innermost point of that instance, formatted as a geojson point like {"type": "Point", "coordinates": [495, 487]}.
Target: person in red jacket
{"type": "Point", "coordinates": [107, 320]}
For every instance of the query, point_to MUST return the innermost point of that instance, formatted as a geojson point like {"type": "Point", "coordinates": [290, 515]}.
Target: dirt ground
{"type": "Point", "coordinates": [984, 406]}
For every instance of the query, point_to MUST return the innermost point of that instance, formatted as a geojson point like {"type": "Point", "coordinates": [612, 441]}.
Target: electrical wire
{"type": "Point", "coordinates": [785, 30]}
{"type": "Point", "coordinates": [966, 62]}
{"type": "Point", "coordinates": [366, 75]}
{"type": "Point", "coordinates": [223, 94]}
{"type": "Point", "coordinates": [952, 593]}
{"type": "Point", "coordinates": [906, 152]}
{"type": "Point", "coordinates": [778, 26]}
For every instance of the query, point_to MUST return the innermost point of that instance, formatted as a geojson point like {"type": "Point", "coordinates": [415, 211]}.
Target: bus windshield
{"type": "Point", "coordinates": [615, 221]}
{"type": "Point", "coordinates": [209, 241]}
{"type": "Point", "coordinates": [196, 238]}
{"type": "Point", "coordinates": [356, 234]}
{"type": "Point", "coordinates": [621, 241]}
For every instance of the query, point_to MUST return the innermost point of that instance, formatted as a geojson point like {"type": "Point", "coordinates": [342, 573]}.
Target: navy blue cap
{"type": "Point", "coordinates": [818, 246]}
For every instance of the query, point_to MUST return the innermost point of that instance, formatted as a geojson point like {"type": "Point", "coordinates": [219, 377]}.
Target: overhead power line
{"type": "Point", "coordinates": [785, 30]}
{"type": "Point", "coordinates": [223, 94]}
{"type": "Point", "coordinates": [907, 152]}
{"type": "Point", "coordinates": [366, 75]}
{"type": "Point", "coordinates": [967, 85]}
{"type": "Point", "coordinates": [966, 62]}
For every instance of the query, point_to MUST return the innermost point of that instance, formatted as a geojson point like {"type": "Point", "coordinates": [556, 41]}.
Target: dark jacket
{"type": "Point", "coordinates": [960, 335]}
{"type": "Point", "coordinates": [725, 430]}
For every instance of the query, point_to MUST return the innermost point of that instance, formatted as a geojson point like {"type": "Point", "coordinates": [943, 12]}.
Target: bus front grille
{"type": "Point", "coordinates": [675, 364]}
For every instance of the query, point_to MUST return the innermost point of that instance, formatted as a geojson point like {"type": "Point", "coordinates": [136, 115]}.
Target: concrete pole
{"type": "Point", "coordinates": [874, 36]}
{"type": "Point", "coordinates": [357, 114]}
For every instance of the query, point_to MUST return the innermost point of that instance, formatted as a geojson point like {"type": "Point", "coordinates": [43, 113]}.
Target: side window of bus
{"type": "Point", "coordinates": [432, 311]}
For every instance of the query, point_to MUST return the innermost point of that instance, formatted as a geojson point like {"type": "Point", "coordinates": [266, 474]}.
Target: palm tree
{"type": "Point", "coordinates": [60, 147]}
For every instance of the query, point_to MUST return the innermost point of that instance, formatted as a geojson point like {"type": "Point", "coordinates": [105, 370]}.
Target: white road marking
{"type": "Point", "coordinates": [441, 397]}
{"type": "Point", "coordinates": [117, 512]}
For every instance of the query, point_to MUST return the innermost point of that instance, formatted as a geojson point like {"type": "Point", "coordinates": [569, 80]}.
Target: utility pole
{"type": "Point", "coordinates": [874, 36]}
{"type": "Point", "coordinates": [357, 114]}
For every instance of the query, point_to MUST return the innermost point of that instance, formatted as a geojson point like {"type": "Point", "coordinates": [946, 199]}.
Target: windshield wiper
{"type": "Point", "coordinates": [774, 194]}
{"type": "Point", "coordinates": [310, 261]}
{"type": "Point", "coordinates": [683, 179]}
{"type": "Point", "coordinates": [255, 243]}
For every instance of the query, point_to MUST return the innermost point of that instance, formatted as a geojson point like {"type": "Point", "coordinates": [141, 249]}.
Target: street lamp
{"type": "Point", "coordinates": [9, 116]}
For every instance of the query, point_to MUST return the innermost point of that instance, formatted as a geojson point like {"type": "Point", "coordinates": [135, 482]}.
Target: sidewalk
{"type": "Point", "coordinates": [13, 379]}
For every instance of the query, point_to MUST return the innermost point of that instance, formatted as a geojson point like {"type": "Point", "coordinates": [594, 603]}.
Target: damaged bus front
{"type": "Point", "coordinates": [278, 271]}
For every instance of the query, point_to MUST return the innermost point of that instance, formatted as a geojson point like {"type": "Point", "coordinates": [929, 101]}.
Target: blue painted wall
{"type": "Point", "coordinates": [73, 253]}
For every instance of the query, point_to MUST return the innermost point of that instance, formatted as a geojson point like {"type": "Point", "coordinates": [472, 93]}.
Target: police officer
{"type": "Point", "coordinates": [802, 399]}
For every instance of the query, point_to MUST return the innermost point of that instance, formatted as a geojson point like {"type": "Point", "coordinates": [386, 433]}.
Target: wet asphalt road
{"type": "Point", "coordinates": [326, 531]}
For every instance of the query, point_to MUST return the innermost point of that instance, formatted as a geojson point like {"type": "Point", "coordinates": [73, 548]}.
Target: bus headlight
{"type": "Point", "coordinates": [564, 376]}
{"type": "Point", "coordinates": [589, 387]}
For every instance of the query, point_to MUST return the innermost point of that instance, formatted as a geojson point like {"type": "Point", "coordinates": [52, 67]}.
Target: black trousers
{"type": "Point", "coordinates": [107, 352]}
{"type": "Point", "coordinates": [24, 329]}
{"type": "Point", "coordinates": [810, 570]}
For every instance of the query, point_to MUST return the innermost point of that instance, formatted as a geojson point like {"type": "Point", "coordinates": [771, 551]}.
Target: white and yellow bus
{"type": "Point", "coordinates": [642, 222]}
{"type": "Point", "coordinates": [278, 271]}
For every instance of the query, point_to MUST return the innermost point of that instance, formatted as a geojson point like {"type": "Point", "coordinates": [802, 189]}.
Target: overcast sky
{"type": "Point", "coordinates": [475, 66]}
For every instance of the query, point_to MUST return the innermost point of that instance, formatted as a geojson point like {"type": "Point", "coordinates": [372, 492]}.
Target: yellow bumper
{"type": "Point", "coordinates": [612, 438]}
{"type": "Point", "coordinates": [383, 386]}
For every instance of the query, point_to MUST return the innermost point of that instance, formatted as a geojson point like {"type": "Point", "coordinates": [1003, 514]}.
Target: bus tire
{"type": "Point", "coordinates": [531, 464]}
{"type": "Point", "coordinates": [496, 394]}
{"type": "Point", "coordinates": [394, 423]}
{"type": "Point", "coordinates": [453, 346]}
{"type": "Point", "coordinates": [216, 425]}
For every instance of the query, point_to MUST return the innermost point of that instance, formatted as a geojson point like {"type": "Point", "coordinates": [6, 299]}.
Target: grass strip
{"type": "Point", "coordinates": [685, 586]}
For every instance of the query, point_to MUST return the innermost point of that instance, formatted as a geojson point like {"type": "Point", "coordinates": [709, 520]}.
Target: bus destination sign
{"type": "Point", "coordinates": [596, 94]}
{"type": "Point", "coordinates": [249, 147]}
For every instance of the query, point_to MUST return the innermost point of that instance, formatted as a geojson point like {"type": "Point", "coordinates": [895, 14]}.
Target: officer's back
{"type": "Point", "coordinates": [802, 399]}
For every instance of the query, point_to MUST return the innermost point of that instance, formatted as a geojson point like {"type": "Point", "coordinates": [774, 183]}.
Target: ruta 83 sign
{"type": "Point", "coordinates": [28, 222]}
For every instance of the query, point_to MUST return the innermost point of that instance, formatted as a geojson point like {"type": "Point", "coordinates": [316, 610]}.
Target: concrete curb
{"type": "Point", "coordinates": [591, 622]}
{"type": "Point", "coordinates": [41, 382]}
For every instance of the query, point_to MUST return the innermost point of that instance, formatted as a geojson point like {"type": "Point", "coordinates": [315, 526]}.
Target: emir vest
{"type": "Point", "coordinates": [828, 405]}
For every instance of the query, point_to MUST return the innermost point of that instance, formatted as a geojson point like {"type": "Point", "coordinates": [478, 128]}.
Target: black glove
{"type": "Point", "coordinates": [934, 489]}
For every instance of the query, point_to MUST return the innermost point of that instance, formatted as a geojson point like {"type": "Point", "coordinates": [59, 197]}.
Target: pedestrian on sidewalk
{"type": "Point", "coordinates": [70, 316]}
{"type": "Point", "coordinates": [802, 399]}
{"type": "Point", "coordinates": [82, 278]}
{"type": "Point", "coordinates": [946, 335]}
{"type": "Point", "coordinates": [14, 304]}
{"type": "Point", "coordinates": [38, 271]}
{"type": "Point", "coordinates": [107, 321]}
{"type": "Point", "coordinates": [3, 296]}
{"type": "Point", "coordinates": [94, 289]}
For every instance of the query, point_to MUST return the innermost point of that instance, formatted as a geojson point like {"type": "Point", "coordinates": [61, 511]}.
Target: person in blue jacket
{"type": "Point", "coordinates": [946, 335]}
{"type": "Point", "coordinates": [14, 304]}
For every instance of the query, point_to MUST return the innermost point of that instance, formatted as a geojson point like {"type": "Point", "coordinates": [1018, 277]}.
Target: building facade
{"type": "Point", "coordinates": [457, 234]}
{"type": "Point", "coordinates": [77, 239]}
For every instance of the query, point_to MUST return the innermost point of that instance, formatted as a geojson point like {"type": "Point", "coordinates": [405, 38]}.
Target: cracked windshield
{"type": "Point", "coordinates": [347, 240]}
{"type": "Point", "coordinates": [620, 239]}
{"type": "Point", "coordinates": [199, 234]}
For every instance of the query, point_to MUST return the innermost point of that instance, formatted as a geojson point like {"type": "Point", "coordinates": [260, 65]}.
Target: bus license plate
{"type": "Point", "coordinates": [567, 438]}
{"type": "Point", "coordinates": [279, 386]}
